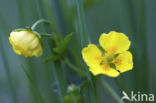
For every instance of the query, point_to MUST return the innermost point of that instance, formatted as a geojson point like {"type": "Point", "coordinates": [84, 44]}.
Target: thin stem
{"type": "Point", "coordinates": [38, 22]}
{"type": "Point", "coordinates": [73, 67]}
{"type": "Point", "coordinates": [61, 80]}
{"type": "Point", "coordinates": [84, 42]}
{"type": "Point", "coordinates": [121, 87]}
{"type": "Point", "coordinates": [49, 11]}
{"type": "Point", "coordinates": [33, 87]}
{"type": "Point", "coordinates": [44, 21]}
{"type": "Point", "coordinates": [83, 35]}
{"type": "Point", "coordinates": [110, 90]}
{"type": "Point", "coordinates": [144, 78]}
{"type": "Point", "coordinates": [118, 84]}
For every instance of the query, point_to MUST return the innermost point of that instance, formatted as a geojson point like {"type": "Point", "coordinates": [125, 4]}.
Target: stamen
{"type": "Point", "coordinates": [102, 62]}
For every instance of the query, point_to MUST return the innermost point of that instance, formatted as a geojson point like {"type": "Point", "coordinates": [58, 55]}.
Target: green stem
{"type": "Point", "coordinates": [33, 87]}
{"type": "Point", "coordinates": [110, 90]}
{"type": "Point", "coordinates": [84, 42]}
{"type": "Point", "coordinates": [38, 22]}
{"type": "Point", "coordinates": [61, 80]}
{"type": "Point", "coordinates": [121, 87]}
{"type": "Point", "coordinates": [49, 11]}
{"type": "Point", "coordinates": [118, 84]}
{"type": "Point", "coordinates": [44, 21]}
{"type": "Point", "coordinates": [73, 67]}
{"type": "Point", "coordinates": [83, 35]}
{"type": "Point", "coordinates": [144, 78]}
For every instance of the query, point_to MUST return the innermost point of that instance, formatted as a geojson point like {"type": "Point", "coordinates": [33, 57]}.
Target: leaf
{"type": "Point", "coordinates": [56, 40]}
{"type": "Point", "coordinates": [52, 58]}
{"type": "Point", "coordinates": [63, 46]}
{"type": "Point", "coordinates": [60, 48]}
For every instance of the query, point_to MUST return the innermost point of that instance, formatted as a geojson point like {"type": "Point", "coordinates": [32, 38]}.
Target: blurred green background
{"type": "Point", "coordinates": [135, 18]}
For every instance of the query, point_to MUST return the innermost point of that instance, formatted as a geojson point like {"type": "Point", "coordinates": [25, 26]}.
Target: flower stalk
{"type": "Point", "coordinates": [73, 67]}
{"type": "Point", "coordinates": [110, 90]}
{"type": "Point", "coordinates": [61, 80]}
{"type": "Point", "coordinates": [44, 21]}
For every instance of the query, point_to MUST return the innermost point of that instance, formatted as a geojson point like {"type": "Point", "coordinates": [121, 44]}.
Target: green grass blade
{"type": "Point", "coordinates": [36, 92]}
{"type": "Point", "coordinates": [84, 42]}
{"type": "Point", "coordinates": [83, 35]}
{"type": "Point", "coordinates": [61, 79]}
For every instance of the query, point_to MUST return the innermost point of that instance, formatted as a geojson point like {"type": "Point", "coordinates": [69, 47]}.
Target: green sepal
{"type": "Point", "coordinates": [112, 65]}
{"type": "Point", "coordinates": [116, 55]}
{"type": "Point", "coordinates": [28, 28]}
{"type": "Point", "coordinates": [23, 29]}
{"type": "Point", "coordinates": [19, 29]}
{"type": "Point", "coordinates": [36, 33]}
{"type": "Point", "coordinates": [102, 50]}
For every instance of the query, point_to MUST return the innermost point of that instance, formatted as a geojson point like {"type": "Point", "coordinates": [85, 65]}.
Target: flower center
{"type": "Point", "coordinates": [108, 59]}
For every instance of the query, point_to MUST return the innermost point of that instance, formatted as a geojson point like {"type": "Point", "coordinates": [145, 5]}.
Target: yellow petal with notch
{"type": "Point", "coordinates": [124, 62]}
{"type": "Point", "coordinates": [105, 69]}
{"type": "Point", "coordinates": [114, 42]}
{"type": "Point", "coordinates": [92, 55]}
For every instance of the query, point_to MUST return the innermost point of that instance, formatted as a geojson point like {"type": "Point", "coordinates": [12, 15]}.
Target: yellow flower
{"type": "Point", "coordinates": [111, 57]}
{"type": "Point", "coordinates": [26, 43]}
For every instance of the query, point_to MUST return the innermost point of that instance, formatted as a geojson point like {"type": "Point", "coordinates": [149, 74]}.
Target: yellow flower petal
{"type": "Point", "coordinates": [92, 55]}
{"type": "Point", "coordinates": [26, 43]}
{"type": "Point", "coordinates": [114, 42]}
{"type": "Point", "coordinates": [105, 69]}
{"type": "Point", "coordinates": [124, 62]}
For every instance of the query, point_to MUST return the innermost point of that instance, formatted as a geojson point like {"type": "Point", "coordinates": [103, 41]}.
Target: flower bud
{"type": "Point", "coordinates": [25, 43]}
